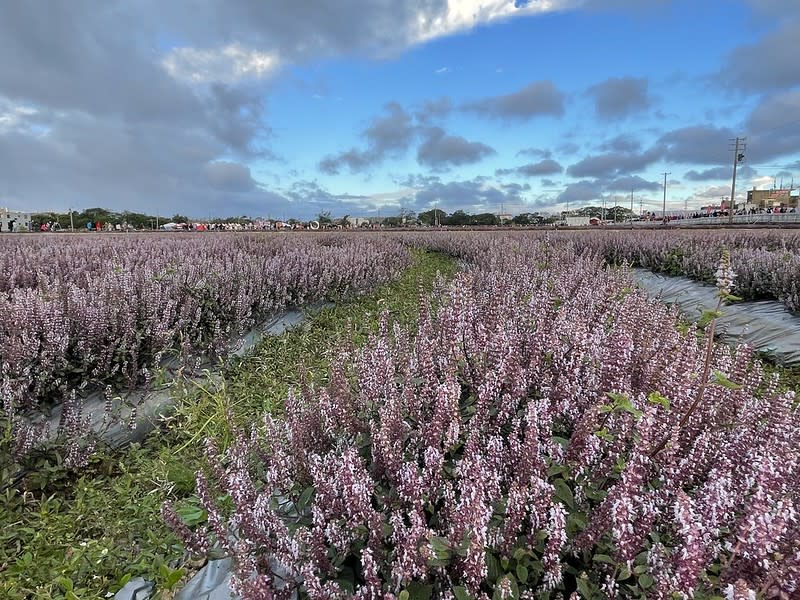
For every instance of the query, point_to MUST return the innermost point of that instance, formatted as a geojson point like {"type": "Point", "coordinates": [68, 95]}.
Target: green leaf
{"type": "Point", "coordinates": [305, 497]}
{"type": "Point", "coordinates": [173, 578]}
{"type": "Point", "coordinates": [522, 573]}
{"type": "Point", "coordinates": [419, 591]}
{"type": "Point", "coordinates": [564, 493]}
{"type": "Point", "coordinates": [438, 562]}
{"type": "Point", "coordinates": [557, 469]}
{"type": "Point", "coordinates": [646, 580]}
{"type": "Point", "coordinates": [617, 397]}
{"type": "Point", "coordinates": [603, 434]}
{"type": "Point", "coordinates": [191, 514]}
{"type": "Point", "coordinates": [720, 379]}
{"type": "Point", "coordinates": [402, 595]}
{"type": "Point", "coordinates": [656, 398]}
{"type": "Point", "coordinates": [576, 522]}
{"type": "Point", "coordinates": [66, 584]}
{"type": "Point", "coordinates": [586, 588]}
{"type": "Point", "coordinates": [707, 316]}
{"type": "Point", "coordinates": [624, 404]}
{"type": "Point", "coordinates": [493, 567]}
{"type": "Point", "coordinates": [603, 558]}
{"type": "Point", "coordinates": [461, 593]}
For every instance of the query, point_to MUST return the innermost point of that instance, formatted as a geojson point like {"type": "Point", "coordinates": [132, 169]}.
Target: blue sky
{"type": "Point", "coordinates": [283, 109]}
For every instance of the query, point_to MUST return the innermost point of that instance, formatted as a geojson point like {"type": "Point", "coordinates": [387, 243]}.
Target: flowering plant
{"type": "Point", "coordinates": [548, 433]}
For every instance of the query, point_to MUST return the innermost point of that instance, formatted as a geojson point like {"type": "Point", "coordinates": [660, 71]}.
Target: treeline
{"type": "Point", "coordinates": [460, 218]}
{"type": "Point", "coordinates": [132, 219]}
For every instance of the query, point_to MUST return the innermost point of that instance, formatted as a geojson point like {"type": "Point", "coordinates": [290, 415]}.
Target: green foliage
{"type": "Point", "coordinates": [707, 317]}
{"type": "Point", "coordinates": [721, 379]}
{"type": "Point", "coordinates": [528, 219]}
{"type": "Point", "coordinates": [656, 398]}
{"type": "Point", "coordinates": [673, 262]}
{"type": "Point", "coordinates": [621, 403]}
{"type": "Point", "coordinates": [87, 536]}
{"type": "Point", "coordinates": [432, 217]}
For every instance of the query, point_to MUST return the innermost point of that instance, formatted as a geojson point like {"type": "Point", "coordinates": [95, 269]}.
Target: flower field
{"type": "Point", "coordinates": [767, 262]}
{"type": "Point", "coordinates": [541, 429]}
{"type": "Point", "coordinates": [76, 309]}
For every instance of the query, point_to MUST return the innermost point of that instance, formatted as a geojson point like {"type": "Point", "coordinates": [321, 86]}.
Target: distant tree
{"type": "Point", "coordinates": [49, 217]}
{"type": "Point", "coordinates": [395, 221]}
{"type": "Point", "coordinates": [407, 216]}
{"type": "Point", "coordinates": [137, 220]}
{"type": "Point", "coordinates": [431, 217]}
{"type": "Point", "coordinates": [324, 218]}
{"type": "Point", "coordinates": [458, 218]}
{"type": "Point", "coordinates": [485, 219]}
{"type": "Point", "coordinates": [528, 219]}
{"type": "Point", "coordinates": [178, 218]}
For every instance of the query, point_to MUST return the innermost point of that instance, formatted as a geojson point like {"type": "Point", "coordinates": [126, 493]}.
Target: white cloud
{"type": "Point", "coordinates": [228, 64]}
{"type": "Point", "coordinates": [14, 116]}
{"type": "Point", "coordinates": [757, 182]}
{"type": "Point", "coordinates": [462, 15]}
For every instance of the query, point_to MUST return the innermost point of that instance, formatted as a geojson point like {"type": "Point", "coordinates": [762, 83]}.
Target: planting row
{"type": "Point", "coordinates": [550, 432]}
{"type": "Point", "coordinates": [767, 261]}
{"type": "Point", "coordinates": [77, 310]}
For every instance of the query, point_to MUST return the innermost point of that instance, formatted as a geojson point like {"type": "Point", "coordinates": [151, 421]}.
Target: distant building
{"type": "Point", "coordinates": [772, 198]}
{"type": "Point", "coordinates": [359, 221]}
{"type": "Point", "coordinates": [582, 221]}
{"type": "Point", "coordinates": [20, 221]}
{"type": "Point", "coordinates": [504, 217]}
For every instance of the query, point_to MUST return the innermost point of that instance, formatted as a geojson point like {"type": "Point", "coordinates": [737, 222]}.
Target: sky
{"type": "Point", "coordinates": [279, 108]}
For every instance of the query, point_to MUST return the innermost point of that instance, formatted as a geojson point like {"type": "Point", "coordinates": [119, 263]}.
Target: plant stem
{"type": "Point", "coordinates": [703, 381]}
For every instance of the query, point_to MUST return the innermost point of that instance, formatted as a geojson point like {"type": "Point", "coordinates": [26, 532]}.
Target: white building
{"type": "Point", "coordinates": [577, 221]}
{"type": "Point", "coordinates": [21, 221]}
{"type": "Point", "coordinates": [358, 221]}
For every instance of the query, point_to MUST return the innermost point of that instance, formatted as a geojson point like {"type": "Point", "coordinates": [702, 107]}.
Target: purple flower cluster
{"type": "Point", "coordinates": [547, 411]}
{"type": "Point", "coordinates": [77, 311]}
{"type": "Point", "coordinates": [766, 262]}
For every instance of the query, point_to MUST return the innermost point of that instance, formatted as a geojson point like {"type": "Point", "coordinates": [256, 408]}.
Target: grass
{"type": "Point", "coordinates": [82, 536]}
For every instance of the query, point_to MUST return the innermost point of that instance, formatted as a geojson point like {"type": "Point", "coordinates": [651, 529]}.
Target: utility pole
{"type": "Point", "coordinates": [738, 156]}
{"type": "Point", "coordinates": [664, 206]}
{"type": "Point", "coordinates": [631, 202]}
{"type": "Point", "coordinates": [71, 224]}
